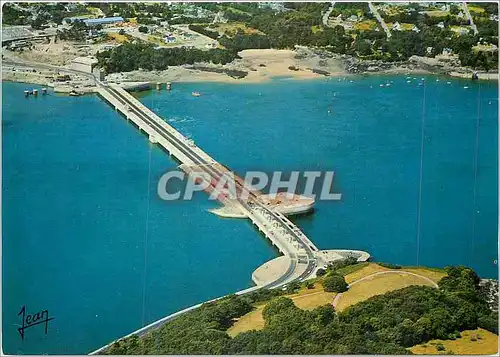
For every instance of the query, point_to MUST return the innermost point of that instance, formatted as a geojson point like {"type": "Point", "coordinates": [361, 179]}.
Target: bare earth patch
{"type": "Point", "coordinates": [378, 285]}
{"type": "Point", "coordinates": [234, 27]}
{"type": "Point", "coordinates": [306, 299]}
{"type": "Point", "coordinates": [472, 342]}
{"type": "Point", "coordinates": [251, 321]}
{"type": "Point", "coordinates": [433, 274]}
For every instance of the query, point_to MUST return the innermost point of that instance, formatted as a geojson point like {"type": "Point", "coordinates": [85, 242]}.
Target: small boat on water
{"type": "Point", "coordinates": [74, 93]}
{"type": "Point", "coordinates": [195, 94]}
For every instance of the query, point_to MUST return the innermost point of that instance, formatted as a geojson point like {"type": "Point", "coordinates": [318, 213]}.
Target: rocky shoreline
{"type": "Point", "coordinates": [415, 64]}
{"type": "Point", "coordinates": [489, 287]}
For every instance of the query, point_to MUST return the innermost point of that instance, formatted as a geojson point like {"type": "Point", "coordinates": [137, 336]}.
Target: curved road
{"type": "Point", "coordinates": [326, 15]}
{"type": "Point", "coordinates": [432, 282]}
{"type": "Point", "coordinates": [469, 17]}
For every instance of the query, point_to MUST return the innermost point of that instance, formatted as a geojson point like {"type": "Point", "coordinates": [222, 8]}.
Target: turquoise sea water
{"type": "Point", "coordinates": [75, 194]}
{"type": "Point", "coordinates": [372, 140]}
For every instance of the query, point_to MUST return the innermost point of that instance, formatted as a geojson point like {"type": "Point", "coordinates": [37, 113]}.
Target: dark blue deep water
{"type": "Point", "coordinates": [82, 240]}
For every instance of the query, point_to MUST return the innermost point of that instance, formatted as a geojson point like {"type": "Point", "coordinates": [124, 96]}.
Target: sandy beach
{"type": "Point", "coordinates": [260, 65]}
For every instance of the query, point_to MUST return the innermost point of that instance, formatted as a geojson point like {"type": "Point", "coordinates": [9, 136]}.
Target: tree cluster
{"type": "Point", "coordinates": [189, 20]}
{"type": "Point", "coordinates": [287, 29]}
{"type": "Point", "coordinates": [384, 324]}
{"type": "Point", "coordinates": [242, 41]}
{"type": "Point", "coordinates": [389, 265]}
{"type": "Point", "coordinates": [334, 283]}
{"type": "Point", "coordinates": [14, 16]}
{"type": "Point", "coordinates": [129, 57]}
{"type": "Point", "coordinates": [204, 31]}
{"type": "Point", "coordinates": [348, 8]}
{"type": "Point", "coordinates": [146, 20]}
{"type": "Point", "coordinates": [77, 32]}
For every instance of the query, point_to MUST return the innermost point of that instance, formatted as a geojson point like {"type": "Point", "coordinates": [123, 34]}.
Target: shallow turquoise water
{"type": "Point", "coordinates": [75, 194]}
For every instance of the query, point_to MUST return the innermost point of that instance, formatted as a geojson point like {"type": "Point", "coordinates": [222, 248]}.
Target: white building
{"type": "Point", "coordinates": [347, 26]}
{"type": "Point", "coordinates": [170, 39]}
{"type": "Point", "coordinates": [272, 5]}
{"type": "Point", "coordinates": [84, 64]}
{"type": "Point", "coordinates": [447, 52]}
{"type": "Point", "coordinates": [396, 26]}
{"type": "Point", "coordinates": [219, 18]}
{"type": "Point", "coordinates": [415, 29]}
{"type": "Point", "coordinates": [440, 25]}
